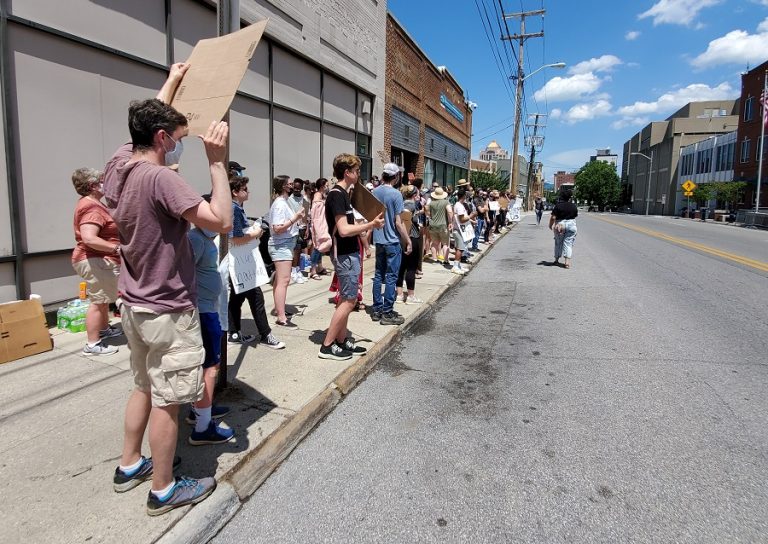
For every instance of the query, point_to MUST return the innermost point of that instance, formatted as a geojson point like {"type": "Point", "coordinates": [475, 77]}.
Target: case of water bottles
{"type": "Point", "coordinates": [72, 316]}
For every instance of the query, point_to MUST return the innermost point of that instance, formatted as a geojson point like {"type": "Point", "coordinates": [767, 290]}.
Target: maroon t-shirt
{"type": "Point", "coordinates": [147, 202]}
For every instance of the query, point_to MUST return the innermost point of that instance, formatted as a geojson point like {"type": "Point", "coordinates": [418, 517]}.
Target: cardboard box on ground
{"type": "Point", "coordinates": [23, 330]}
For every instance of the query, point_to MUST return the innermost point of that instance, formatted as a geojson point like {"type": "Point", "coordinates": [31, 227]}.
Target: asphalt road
{"type": "Point", "coordinates": [620, 401]}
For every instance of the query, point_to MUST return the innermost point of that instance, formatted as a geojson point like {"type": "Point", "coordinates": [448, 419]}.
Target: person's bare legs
{"type": "Point", "coordinates": [163, 432]}
{"type": "Point", "coordinates": [337, 330]}
{"type": "Point", "coordinates": [96, 319]}
{"type": "Point", "coordinates": [136, 417]}
{"type": "Point", "coordinates": [280, 287]}
{"type": "Point", "coordinates": [209, 380]}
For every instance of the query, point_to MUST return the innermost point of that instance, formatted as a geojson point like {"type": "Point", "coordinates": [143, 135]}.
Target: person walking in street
{"type": "Point", "coordinates": [437, 215]}
{"type": "Point", "coordinates": [284, 231]}
{"type": "Point", "coordinates": [539, 207]}
{"type": "Point", "coordinates": [410, 262]}
{"type": "Point", "coordinates": [563, 223]}
{"type": "Point", "coordinates": [337, 345]}
{"type": "Point", "coordinates": [243, 233]}
{"type": "Point", "coordinates": [157, 283]}
{"type": "Point", "coordinates": [96, 259]}
{"type": "Point", "coordinates": [389, 250]}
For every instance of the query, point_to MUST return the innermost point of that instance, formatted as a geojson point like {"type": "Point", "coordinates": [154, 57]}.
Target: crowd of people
{"type": "Point", "coordinates": [146, 240]}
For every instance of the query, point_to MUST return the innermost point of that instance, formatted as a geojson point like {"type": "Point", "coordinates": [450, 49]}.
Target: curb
{"type": "Point", "coordinates": [203, 521]}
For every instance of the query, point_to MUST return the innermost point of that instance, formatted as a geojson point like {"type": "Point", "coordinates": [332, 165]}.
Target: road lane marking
{"type": "Point", "coordinates": [759, 265]}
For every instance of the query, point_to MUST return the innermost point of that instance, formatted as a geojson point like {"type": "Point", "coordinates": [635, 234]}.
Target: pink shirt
{"type": "Point", "coordinates": [147, 203]}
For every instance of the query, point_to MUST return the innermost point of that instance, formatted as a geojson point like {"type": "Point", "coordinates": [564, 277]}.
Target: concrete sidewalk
{"type": "Point", "coordinates": [61, 417]}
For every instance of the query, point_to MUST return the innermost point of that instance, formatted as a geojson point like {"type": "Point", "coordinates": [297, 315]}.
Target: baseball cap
{"type": "Point", "coordinates": [235, 166]}
{"type": "Point", "coordinates": [391, 169]}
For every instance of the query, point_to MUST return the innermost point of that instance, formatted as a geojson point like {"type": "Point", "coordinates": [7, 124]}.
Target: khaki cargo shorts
{"type": "Point", "coordinates": [101, 276]}
{"type": "Point", "coordinates": [439, 235]}
{"type": "Point", "coordinates": [166, 354]}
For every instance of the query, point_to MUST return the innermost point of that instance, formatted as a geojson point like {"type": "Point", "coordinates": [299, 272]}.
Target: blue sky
{"type": "Point", "coordinates": [629, 62]}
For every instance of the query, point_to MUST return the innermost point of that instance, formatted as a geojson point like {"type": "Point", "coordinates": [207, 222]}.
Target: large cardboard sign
{"type": "Point", "coordinates": [217, 66]}
{"type": "Point", "coordinates": [365, 203]}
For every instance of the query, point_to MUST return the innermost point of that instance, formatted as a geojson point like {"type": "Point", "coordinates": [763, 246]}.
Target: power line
{"type": "Point", "coordinates": [496, 55]}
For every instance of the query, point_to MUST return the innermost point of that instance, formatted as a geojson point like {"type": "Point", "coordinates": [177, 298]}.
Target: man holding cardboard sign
{"type": "Point", "coordinates": [153, 207]}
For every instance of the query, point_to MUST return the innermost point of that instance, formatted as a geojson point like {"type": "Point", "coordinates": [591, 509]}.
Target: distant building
{"type": "Point", "coordinates": [605, 155]}
{"type": "Point", "coordinates": [504, 170]}
{"type": "Point", "coordinates": [748, 139]}
{"type": "Point", "coordinates": [482, 166]}
{"type": "Point", "coordinates": [696, 121]}
{"type": "Point", "coordinates": [564, 178]}
{"type": "Point", "coordinates": [493, 152]}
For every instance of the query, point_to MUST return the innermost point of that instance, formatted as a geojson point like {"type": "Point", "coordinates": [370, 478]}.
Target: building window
{"type": "Point", "coordinates": [445, 151]}
{"type": "Point", "coordinates": [406, 133]}
{"type": "Point", "coordinates": [703, 161]}
{"type": "Point", "coordinates": [749, 109]}
{"type": "Point", "coordinates": [429, 172]}
{"type": "Point", "coordinates": [745, 150]}
{"type": "Point", "coordinates": [431, 144]}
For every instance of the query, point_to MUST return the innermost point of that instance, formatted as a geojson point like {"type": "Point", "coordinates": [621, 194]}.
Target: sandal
{"type": "Point", "coordinates": [287, 324]}
{"type": "Point", "coordinates": [315, 277]}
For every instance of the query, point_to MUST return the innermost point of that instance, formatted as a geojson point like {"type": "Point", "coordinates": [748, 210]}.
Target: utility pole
{"type": "Point", "coordinates": [535, 142]}
{"type": "Point", "coordinates": [227, 21]}
{"type": "Point", "coordinates": [520, 38]}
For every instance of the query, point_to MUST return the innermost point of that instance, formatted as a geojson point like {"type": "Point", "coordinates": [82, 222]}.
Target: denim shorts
{"type": "Point", "coordinates": [282, 250]}
{"type": "Point", "coordinates": [348, 273]}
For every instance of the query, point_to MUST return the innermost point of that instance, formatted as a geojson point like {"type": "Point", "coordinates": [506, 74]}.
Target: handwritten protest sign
{"type": "Point", "coordinates": [246, 267]}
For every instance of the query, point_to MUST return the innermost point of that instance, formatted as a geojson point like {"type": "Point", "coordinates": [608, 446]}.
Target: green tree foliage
{"type": "Point", "coordinates": [488, 181]}
{"type": "Point", "coordinates": [704, 192]}
{"type": "Point", "coordinates": [597, 182]}
{"type": "Point", "coordinates": [730, 192]}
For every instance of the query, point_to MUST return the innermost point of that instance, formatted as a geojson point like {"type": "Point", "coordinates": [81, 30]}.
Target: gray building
{"type": "Point", "coordinates": [315, 88]}
{"type": "Point", "coordinates": [663, 140]}
{"type": "Point", "coordinates": [504, 171]}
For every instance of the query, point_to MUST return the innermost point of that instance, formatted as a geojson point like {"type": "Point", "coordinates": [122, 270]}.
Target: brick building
{"type": "Point", "coordinates": [748, 138]}
{"type": "Point", "coordinates": [564, 178]}
{"type": "Point", "coordinates": [427, 118]}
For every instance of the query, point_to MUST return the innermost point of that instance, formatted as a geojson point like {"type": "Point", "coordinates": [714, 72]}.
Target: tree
{"type": "Point", "coordinates": [730, 192]}
{"type": "Point", "coordinates": [488, 180]}
{"type": "Point", "coordinates": [703, 193]}
{"type": "Point", "coordinates": [597, 182]}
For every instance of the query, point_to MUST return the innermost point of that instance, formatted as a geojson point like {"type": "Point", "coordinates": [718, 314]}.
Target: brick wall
{"type": "Point", "coordinates": [413, 84]}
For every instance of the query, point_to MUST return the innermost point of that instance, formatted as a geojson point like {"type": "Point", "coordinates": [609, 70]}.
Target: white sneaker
{"type": "Point", "coordinates": [457, 270]}
{"type": "Point", "coordinates": [414, 300]}
{"type": "Point", "coordinates": [99, 349]}
{"type": "Point", "coordinates": [300, 278]}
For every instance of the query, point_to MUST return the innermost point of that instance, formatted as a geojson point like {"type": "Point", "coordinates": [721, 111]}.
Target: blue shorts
{"type": "Point", "coordinates": [210, 329]}
{"type": "Point", "coordinates": [348, 273]}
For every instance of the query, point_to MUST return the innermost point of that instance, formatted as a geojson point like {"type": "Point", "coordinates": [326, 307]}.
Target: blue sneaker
{"type": "Point", "coordinates": [212, 435]}
{"type": "Point", "coordinates": [185, 491]}
{"type": "Point", "coordinates": [217, 412]}
{"type": "Point", "coordinates": [122, 482]}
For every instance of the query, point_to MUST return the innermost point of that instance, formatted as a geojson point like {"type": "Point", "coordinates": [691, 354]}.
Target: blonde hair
{"type": "Point", "coordinates": [345, 162]}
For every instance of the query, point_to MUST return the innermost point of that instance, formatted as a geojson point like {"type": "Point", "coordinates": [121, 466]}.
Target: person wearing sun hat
{"type": "Point", "coordinates": [437, 212]}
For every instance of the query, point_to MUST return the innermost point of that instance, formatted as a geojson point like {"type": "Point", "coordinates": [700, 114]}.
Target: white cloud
{"type": "Point", "coordinates": [677, 12]}
{"type": "Point", "coordinates": [555, 113]}
{"type": "Point", "coordinates": [630, 121]}
{"type": "Point", "coordinates": [587, 111]}
{"type": "Point", "coordinates": [568, 88]}
{"type": "Point", "coordinates": [736, 47]}
{"type": "Point", "coordinates": [633, 35]}
{"type": "Point", "coordinates": [599, 64]}
{"type": "Point", "coordinates": [673, 100]}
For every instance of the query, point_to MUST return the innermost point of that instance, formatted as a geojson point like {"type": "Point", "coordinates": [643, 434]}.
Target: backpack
{"type": "Point", "coordinates": [320, 235]}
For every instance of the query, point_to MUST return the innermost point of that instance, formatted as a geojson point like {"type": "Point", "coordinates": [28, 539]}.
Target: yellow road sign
{"type": "Point", "coordinates": [688, 193]}
{"type": "Point", "coordinates": [689, 185]}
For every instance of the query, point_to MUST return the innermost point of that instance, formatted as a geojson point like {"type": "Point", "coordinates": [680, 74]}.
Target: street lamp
{"type": "Point", "coordinates": [520, 77]}
{"type": "Point", "coordinates": [648, 187]}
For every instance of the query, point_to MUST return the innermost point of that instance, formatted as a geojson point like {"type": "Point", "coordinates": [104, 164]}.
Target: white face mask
{"type": "Point", "coordinates": [174, 156]}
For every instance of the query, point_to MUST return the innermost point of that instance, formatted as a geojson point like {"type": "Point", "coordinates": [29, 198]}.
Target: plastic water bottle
{"type": "Point", "coordinates": [303, 261]}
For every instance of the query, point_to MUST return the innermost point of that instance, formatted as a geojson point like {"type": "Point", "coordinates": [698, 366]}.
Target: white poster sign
{"type": "Point", "coordinates": [246, 267]}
